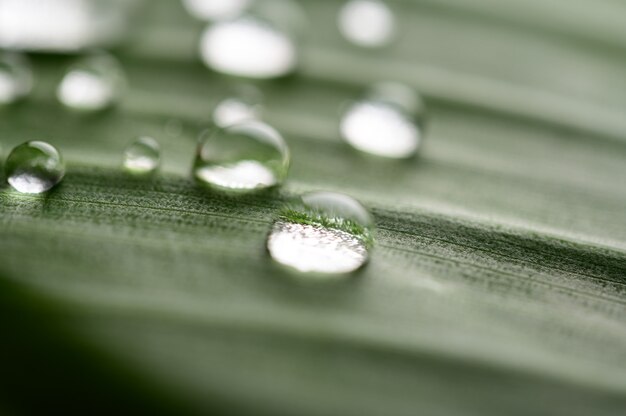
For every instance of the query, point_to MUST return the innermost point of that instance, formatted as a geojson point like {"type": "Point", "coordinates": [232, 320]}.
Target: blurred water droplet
{"type": "Point", "coordinates": [244, 157]}
{"type": "Point", "coordinates": [34, 167]}
{"type": "Point", "coordinates": [93, 83]}
{"type": "Point", "coordinates": [367, 23]}
{"type": "Point", "coordinates": [324, 233]}
{"type": "Point", "coordinates": [244, 106]}
{"type": "Point", "coordinates": [142, 156]}
{"type": "Point", "coordinates": [215, 9]}
{"type": "Point", "coordinates": [16, 77]}
{"type": "Point", "coordinates": [261, 43]}
{"type": "Point", "coordinates": [62, 25]}
{"type": "Point", "coordinates": [384, 122]}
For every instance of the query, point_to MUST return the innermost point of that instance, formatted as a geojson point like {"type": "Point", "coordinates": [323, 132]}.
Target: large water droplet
{"type": "Point", "coordinates": [261, 43]}
{"type": "Point", "coordinates": [244, 106]}
{"type": "Point", "coordinates": [385, 122]}
{"type": "Point", "coordinates": [244, 157]}
{"type": "Point", "coordinates": [16, 77]}
{"type": "Point", "coordinates": [324, 233]}
{"type": "Point", "coordinates": [142, 156]}
{"type": "Point", "coordinates": [34, 167]}
{"type": "Point", "coordinates": [62, 25]}
{"type": "Point", "coordinates": [93, 83]}
{"type": "Point", "coordinates": [215, 9]}
{"type": "Point", "coordinates": [367, 23]}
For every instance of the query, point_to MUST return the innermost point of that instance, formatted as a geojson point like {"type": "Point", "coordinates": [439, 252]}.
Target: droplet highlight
{"type": "Point", "coordinates": [248, 46]}
{"type": "Point", "coordinates": [367, 23]}
{"type": "Point", "coordinates": [142, 156]}
{"type": "Point", "coordinates": [93, 83]}
{"type": "Point", "coordinates": [62, 25]}
{"type": "Point", "coordinates": [34, 167]}
{"type": "Point", "coordinates": [16, 77]}
{"type": "Point", "coordinates": [215, 9]}
{"type": "Point", "coordinates": [245, 157]}
{"type": "Point", "coordinates": [245, 106]}
{"type": "Point", "coordinates": [322, 234]}
{"type": "Point", "coordinates": [386, 122]}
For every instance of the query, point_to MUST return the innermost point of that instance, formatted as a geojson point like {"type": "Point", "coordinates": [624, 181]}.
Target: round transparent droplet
{"type": "Point", "coordinates": [215, 9]}
{"type": "Point", "coordinates": [142, 156]}
{"type": "Point", "coordinates": [385, 122]}
{"type": "Point", "coordinates": [244, 106]}
{"type": "Point", "coordinates": [324, 233]}
{"type": "Point", "coordinates": [34, 167]}
{"type": "Point", "coordinates": [261, 43]}
{"type": "Point", "coordinates": [93, 83]}
{"type": "Point", "coordinates": [62, 25]}
{"type": "Point", "coordinates": [16, 77]}
{"type": "Point", "coordinates": [245, 157]}
{"type": "Point", "coordinates": [367, 23]}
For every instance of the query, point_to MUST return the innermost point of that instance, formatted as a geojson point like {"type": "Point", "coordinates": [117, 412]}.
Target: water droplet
{"type": "Point", "coordinates": [142, 156]}
{"type": "Point", "coordinates": [16, 77]}
{"type": "Point", "coordinates": [261, 43]}
{"type": "Point", "coordinates": [215, 9]}
{"type": "Point", "coordinates": [244, 157]}
{"type": "Point", "coordinates": [385, 122]}
{"type": "Point", "coordinates": [62, 25]}
{"type": "Point", "coordinates": [34, 167]}
{"type": "Point", "coordinates": [367, 23]}
{"type": "Point", "coordinates": [245, 106]}
{"type": "Point", "coordinates": [93, 83]}
{"type": "Point", "coordinates": [324, 233]}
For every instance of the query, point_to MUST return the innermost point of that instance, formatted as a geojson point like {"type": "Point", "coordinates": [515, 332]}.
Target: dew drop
{"type": "Point", "coordinates": [367, 23]}
{"type": "Point", "coordinates": [34, 167]}
{"type": "Point", "coordinates": [385, 122]}
{"type": "Point", "coordinates": [16, 77]}
{"type": "Point", "coordinates": [261, 43]}
{"type": "Point", "coordinates": [142, 156]}
{"type": "Point", "coordinates": [93, 83]}
{"type": "Point", "coordinates": [243, 157]}
{"type": "Point", "coordinates": [244, 106]}
{"type": "Point", "coordinates": [324, 233]}
{"type": "Point", "coordinates": [62, 25]}
{"type": "Point", "coordinates": [215, 9]}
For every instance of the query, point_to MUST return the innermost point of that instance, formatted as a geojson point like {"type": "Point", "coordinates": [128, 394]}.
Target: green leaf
{"type": "Point", "coordinates": [496, 283]}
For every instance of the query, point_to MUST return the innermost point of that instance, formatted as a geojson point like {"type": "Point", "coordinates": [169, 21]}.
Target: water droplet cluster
{"type": "Point", "coordinates": [323, 234]}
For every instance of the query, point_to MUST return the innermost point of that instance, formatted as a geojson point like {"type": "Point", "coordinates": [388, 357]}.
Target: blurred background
{"type": "Point", "coordinates": [487, 138]}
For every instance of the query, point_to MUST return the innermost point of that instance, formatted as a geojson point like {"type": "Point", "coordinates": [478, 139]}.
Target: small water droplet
{"type": "Point", "coordinates": [142, 156]}
{"type": "Point", "coordinates": [367, 23]}
{"type": "Point", "coordinates": [34, 167]}
{"type": "Point", "coordinates": [324, 233]}
{"type": "Point", "coordinates": [93, 83]}
{"type": "Point", "coordinates": [62, 25]}
{"type": "Point", "coordinates": [243, 157]}
{"type": "Point", "coordinates": [215, 9]}
{"type": "Point", "coordinates": [385, 122]}
{"type": "Point", "coordinates": [244, 106]}
{"type": "Point", "coordinates": [16, 77]}
{"type": "Point", "coordinates": [261, 43]}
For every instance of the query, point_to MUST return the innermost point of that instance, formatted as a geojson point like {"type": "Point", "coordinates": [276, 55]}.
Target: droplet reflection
{"type": "Point", "coordinates": [62, 25]}
{"type": "Point", "coordinates": [247, 156]}
{"type": "Point", "coordinates": [215, 9]}
{"type": "Point", "coordinates": [245, 105]}
{"type": "Point", "coordinates": [323, 234]}
{"type": "Point", "coordinates": [142, 156]}
{"type": "Point", "coordinates": [34, 167]}
{"type": "Point", "coordinates": [93, 83]}
{"type": "Point", "coordinates": [248, 47]}
{"type": "Point", "coordinates": [367, 23]}
{"type": "Point", "coordinates": [384, 122]}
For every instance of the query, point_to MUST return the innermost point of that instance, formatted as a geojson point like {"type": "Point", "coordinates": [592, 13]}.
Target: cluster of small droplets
{"type": "Point", "coordinates": [324, 233]}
